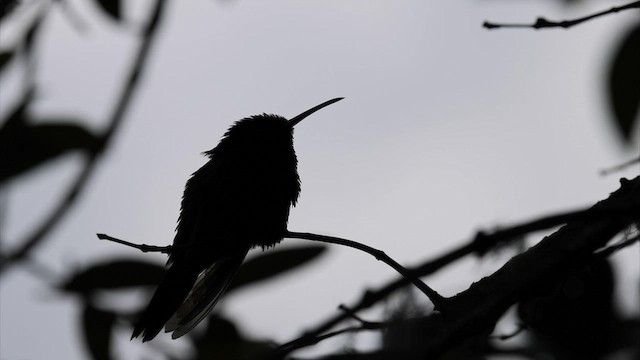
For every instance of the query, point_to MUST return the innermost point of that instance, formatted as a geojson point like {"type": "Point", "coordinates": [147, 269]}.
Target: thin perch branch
{"type": "Point", "coordinates": [542, 23]}
{"type": "Point", "coordinates": [438, 301]}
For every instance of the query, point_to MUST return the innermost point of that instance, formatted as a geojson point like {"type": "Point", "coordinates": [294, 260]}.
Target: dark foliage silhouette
{"type": "Point", "coordinates": [238, 200]}
{"type": "Point", "coordinates": [575, 319]}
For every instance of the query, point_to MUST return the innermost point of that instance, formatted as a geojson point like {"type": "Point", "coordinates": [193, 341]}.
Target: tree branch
{"type": "Point", "coordinates": [478, 308]}
{"type": "Point", "coordinates": [618, 206]}
{"type": "Point", "coordinates": [542, 23]}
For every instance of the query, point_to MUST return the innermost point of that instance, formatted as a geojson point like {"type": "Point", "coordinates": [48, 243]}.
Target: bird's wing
{"type": "Point", "coordinates": [191, 206]}
{"type": "Point", "coordinates": [204, 295]}
{"type": "Point", "coordinates": [207, 212]}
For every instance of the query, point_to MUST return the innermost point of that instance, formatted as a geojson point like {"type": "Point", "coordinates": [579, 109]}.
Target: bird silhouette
{"type": "Point", "coordinates": [238, 200]}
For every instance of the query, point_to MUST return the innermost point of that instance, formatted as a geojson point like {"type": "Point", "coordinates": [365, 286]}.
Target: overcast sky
{"type": "Point", "coordinates": [446, 128]}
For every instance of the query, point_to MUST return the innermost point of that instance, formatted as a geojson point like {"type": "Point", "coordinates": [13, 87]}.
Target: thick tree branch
{"type": "Point", "coordinates": [620, 209]}
{"type": "Point", "coordinates": [526, 275]}
{"type": "Point", "coordinates": [542, 23]}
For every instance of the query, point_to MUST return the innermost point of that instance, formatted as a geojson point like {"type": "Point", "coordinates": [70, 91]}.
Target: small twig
{"type": "Point", "coordinates": [439, 301]}
{"type": "Point", "coordinates": [619, 167]}
{"type": "Point", "coordinates": [542, 23]}
{"type": "Point", "coordinates": [308, 341]}
{"type": "Point", "coordinates": [141, 247]}
{"type": "Point", "coordinates": [606, 252]}
{"type": "Point", "coordinates": [364, 323]}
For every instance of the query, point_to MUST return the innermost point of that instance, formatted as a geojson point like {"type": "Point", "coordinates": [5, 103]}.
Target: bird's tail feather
{"type": "Point", "coordinates": [169, 295]}
{"type": "Point", "coordinates": [206, 292]}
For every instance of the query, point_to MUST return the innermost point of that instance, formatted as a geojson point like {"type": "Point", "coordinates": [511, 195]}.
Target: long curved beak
{"type": "Point", "coordinates": [294, 121]}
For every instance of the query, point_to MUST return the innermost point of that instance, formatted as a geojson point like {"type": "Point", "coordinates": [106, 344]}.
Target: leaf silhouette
{"type": "Point", "coordinates": [114, 274]}
{"type": "Point", "coordinates": [222, 340]}
{"type": "Point", "coordinates": [624, 83]}
{"type": "Point", "coordinates": [98, 325]}
{"type": "Point", "coordinates": [5, 57]}
{"type": "Point", "coordinates": [575, 319]}
{"type": "Point", "coordinates": [32, 33]}
{"type": "Point", "coordinates": [111, 7]}
{"type": "Point", "coordinates": [274, 262]}
{"type": "Point", "coordinates": [24, 146]}
{"type": "Point", "coordinates": [6, 7]}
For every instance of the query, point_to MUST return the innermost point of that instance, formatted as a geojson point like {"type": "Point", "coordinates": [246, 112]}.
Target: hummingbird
{"type": "Point", "coordinates": [240, 199]}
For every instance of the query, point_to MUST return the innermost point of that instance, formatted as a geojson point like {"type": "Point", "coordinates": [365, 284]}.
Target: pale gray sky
{"type": "Point", "coordinates": [446, 128]}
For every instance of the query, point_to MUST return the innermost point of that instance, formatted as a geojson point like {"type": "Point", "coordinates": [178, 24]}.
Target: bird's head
{"type": "Point", "coordinates": [263, 135]}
